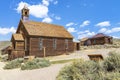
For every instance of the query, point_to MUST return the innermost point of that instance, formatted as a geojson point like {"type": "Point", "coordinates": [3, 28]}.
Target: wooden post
{"type": "Point", "coordinates": [44, 52]}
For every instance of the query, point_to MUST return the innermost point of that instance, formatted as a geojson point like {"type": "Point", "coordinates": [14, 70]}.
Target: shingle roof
{"type": "Point", "coordinates": [47, 30]}
{"type": "Point", "coordinates": [84, 39]}
{"type": "Point", "coordinates": [18, 37]}
{"type": "Point", "coordinates": [99, 35]}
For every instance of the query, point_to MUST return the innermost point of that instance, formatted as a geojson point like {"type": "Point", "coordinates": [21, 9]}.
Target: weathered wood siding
{"type": "Point", "coordinates": [98, 41]}
{"type": "Point", "coordinates": [19, 46]}
{"type": "Point", "coordinates": [101, 41]}
{"type": "Point", "coordinates": [18, 50]}
{"type": "Point", "coordinates": [50, 50]}
{"type": "Point", "coordinates": [16, 54]}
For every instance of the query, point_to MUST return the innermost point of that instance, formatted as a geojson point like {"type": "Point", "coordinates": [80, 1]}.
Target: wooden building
{"type": "Point", "coordinates": [6, 50]}
{"type": "Point", "coordinates": [83, 41]}
{"type": "Point", "coordinates": [76, 46]}
{"type": "Point", "coordinates": [40, 39]}
{"type": "Point", "coordinates": [98, 39]}
{"type": "Point", "coordinates": [95, 57]}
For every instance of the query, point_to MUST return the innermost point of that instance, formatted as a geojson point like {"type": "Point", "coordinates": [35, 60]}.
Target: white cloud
{"type": "Point", "coordinates": [116, 37]}
{"type": "Point", "coordinates": [85, 23]}
{"type": "Point", "coordinates": [71, 29]}
{"type": "Point", "coordinates": [4, 31]}
{"type": "Point", "coordinates": [109, 31]}
{"type": "Point", "coordinates": [47, 20]}
{"type": "Point", "coordinates": [85, 33]}
{"type": "Point", "coordinates": [113, 30]}
{"type": "Point", "coordinates": [75, 40]}
{"type": "Point", "coordinates": [70, 24]}
{"type": "Point", "coordinates": [20, 6]}
{"type": "Point", "coordinates": [102, 30]}
{"type": "Point", "coordinates": [57, 18]}
{"type": "Point", "coordinates": [38, 10]}
{"type": "Point", "coordinates": [104, 24]}
{"type": "Point", "coordinates": [55, 2]}
{"type": "Point", "coordinates": [45, 2]}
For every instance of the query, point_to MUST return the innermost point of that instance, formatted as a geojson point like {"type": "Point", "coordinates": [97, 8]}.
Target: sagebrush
{"type": "Point", "coordinates": [14, 64]}
{"type": "Point", "coordinates": [35, 64]}
{"type": "Point", "coordinates": [27, 65]}
{"type": "Point", "coordinates": [109, 69]}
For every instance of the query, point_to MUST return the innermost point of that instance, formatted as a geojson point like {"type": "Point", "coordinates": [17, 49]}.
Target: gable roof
{"type": "Point", "coordinates": [99, 35]}
{"type": "Point", "coordinates": [45, 29]}
{"type": "Point", "coordinates": [18, 37]}
{"type": "Point", "coordinates": [84, 39]}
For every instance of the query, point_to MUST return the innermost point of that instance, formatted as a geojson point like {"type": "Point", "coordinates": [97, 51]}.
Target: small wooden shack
{"type": "Point", "coordinates": [83, 41]}
{"type": "Point", "coordinates": [76, 46]}
{"type": "Point", "coordinates": [100, 39]}
{"type": "Point", "coordinates": [95, 57]}
{"type": "Point", "coordinates": [6, 50]}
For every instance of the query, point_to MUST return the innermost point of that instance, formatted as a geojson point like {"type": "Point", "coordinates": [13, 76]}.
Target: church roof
{"type": "Point", "coordinates": [45, 29]}
{"type": "Point", "coordinates": [18, 37]}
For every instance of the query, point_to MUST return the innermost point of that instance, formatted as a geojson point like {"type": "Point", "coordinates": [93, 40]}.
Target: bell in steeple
{"type": "Point", "coordinates": [25, 13]}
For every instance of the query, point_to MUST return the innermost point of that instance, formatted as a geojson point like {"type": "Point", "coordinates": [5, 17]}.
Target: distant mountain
{"type": "Point", "coordinates": [4, 44]}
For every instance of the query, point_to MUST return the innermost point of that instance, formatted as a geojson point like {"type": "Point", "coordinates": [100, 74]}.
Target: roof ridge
{"type": "Point", "coordinates": [28, 22]}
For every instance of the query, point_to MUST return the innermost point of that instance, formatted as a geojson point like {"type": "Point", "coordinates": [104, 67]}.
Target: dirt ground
{"type": "Point", "coordinates": [49, 73]}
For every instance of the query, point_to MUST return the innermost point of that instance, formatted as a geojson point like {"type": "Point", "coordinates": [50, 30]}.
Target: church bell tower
{"type": "Point", "coordinates": [25, 13]}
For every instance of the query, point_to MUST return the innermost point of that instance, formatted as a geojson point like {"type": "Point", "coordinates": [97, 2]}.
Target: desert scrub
{"type": "Point", "coordinates": [109, 69]}
{"type": "Point", "coordinates": [35, 64]}
{"type": "Point", "coordinates": [81, 70]}
{"type": "Point", "coordinates": [112, 63]}
{"type": "Point", "coordinates": [113, 76]}
{"type": "Point", "coordinates": [4, 58]}
{"type": "Point", "coordinates": [14, 63]}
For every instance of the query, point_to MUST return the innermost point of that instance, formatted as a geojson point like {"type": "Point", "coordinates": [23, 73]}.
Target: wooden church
{"type": "Point", "coordinates": [39, 39]}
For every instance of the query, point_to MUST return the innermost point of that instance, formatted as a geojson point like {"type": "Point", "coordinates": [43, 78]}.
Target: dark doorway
{"type": "Point", "coordinates": [26, 53]}
{"type": "Point", "coordinates": [77, 46]}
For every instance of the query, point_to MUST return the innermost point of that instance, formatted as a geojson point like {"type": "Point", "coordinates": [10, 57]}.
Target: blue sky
{"type": "Point", "coordinates": [82, 18]}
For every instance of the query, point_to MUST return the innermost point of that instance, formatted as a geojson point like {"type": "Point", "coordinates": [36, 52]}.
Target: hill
{"type": "Point", "coordinates": [3, 44]}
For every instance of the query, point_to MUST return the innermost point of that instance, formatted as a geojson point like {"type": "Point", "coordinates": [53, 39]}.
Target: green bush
{"type": "Point", "coordinates": [35, 64]}
{"type": "Point", "coordinates": [14, 64]}
{"type": "Point", "coordinates": [27, 65]}
{"type": "Point", "coordinates": [112, 62]}
{"type": "Point", "coordinates": [90, 70]}
{"type": "Point", "coordinates": [81, 70]}
{"type": "Point", "coordinates": [4, 58]}
{"type": "Point", "coordinates": [113, 76]}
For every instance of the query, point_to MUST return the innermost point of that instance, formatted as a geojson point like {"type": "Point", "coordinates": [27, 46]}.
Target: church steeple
{"type": "Point", "coordinates": [25, 13]}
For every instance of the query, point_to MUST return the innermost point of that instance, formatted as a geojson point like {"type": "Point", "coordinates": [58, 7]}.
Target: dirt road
{"type": "Point", "coordinates": [48, 73]}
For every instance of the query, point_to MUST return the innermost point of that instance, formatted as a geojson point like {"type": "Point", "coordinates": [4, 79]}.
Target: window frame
{"type": "Point", "coordinates": [54, 43]}
{"type": "Point", "coordinates": [40, 43]}
{"type": "Point", "coordinates": [66, 43]}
